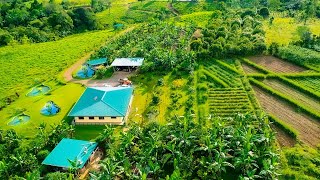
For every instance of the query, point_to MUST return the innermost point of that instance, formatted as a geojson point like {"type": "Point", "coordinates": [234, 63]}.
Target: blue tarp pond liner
{"type": "Point", "coordinates": [39, 90]}
{"type": "Point", "coordinates": [85, 72]}
{"type": "Point", "coordinates": [50, 108]}
{"type": "Point", "coordinates": [22, 118]}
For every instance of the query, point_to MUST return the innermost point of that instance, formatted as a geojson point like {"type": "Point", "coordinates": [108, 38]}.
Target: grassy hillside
{"type": "Point", "coordinates": [24, 65]}
{"type": "Point", "coordinates": [283, 30]}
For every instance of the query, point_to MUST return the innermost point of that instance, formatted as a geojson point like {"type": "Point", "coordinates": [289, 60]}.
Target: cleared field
{"type": "Point", "coordinates": [297, 95]}
{"type": "Point", "coordinates": [312, 83]}
{"type": "Point", "coordinates": [283, 138]}
{"type": "Point", "coordinates": [307, 127]}
{"type": "Point", "coordinates": [276, 65]}
{"type": "Point", "coordinates": [249, 69]}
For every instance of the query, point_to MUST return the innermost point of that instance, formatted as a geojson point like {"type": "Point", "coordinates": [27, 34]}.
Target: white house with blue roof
{"type": "Point", "coordinates": [102, 105]}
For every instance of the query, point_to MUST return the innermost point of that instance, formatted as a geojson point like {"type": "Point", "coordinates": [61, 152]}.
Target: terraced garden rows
{"type": "Point", "coordinates": [312, 83]}
{"type": "Point", "coordinates": [307, 127]}
{"type": "Point", "coordinates": [231, 97]}
{"type": "Point", "coordinates": [294, 94]}
{"type": "Point", "coordinates": [224, 102]}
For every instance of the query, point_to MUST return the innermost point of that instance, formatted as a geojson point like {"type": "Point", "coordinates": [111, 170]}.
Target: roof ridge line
{"type": "Point", "coordinates": [109, 104]}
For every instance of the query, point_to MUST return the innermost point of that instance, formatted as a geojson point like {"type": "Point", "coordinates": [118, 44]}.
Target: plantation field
{"type": "Point", "coordinates": [307, 127]}
{"type": "Point", "coordinates": [24, 65]}
{"type": "Point", "coordinates": [312, 83]}
{"type": "Point", "coordinates": [64, 96]}
{"type": "Point", "coordinates": [276, 65]}
{"type": "Point", "coordinates": [294, 94]}
{"type": "Point", "coordinates": [283, 30]}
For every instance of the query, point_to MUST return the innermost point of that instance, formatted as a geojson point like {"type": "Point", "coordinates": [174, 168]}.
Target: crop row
{"type": "Point", "coordinates": [285, 127]}
{"type": "Point", "coordinates": [214, 78]}
{"type": "Point", "coordinates": [308, 83]}
{"type": "Point", "coordinates": [286, 98]}
{"type": "Point", "coordinates": [230, 78]}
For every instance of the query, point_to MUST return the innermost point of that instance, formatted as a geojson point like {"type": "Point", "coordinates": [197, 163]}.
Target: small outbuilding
{"type": "Point", "coordinates": [97, 62]}
{"type": "Point", "coordinates": [102, 105]}
{"type": "Point", "coordinates": [71, 153]}
{"type": "Point", "coordinates": [128, 64]}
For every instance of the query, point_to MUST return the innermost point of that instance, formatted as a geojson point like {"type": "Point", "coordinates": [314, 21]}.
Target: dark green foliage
{"type": "Point", "coordinates": [230, 35]}
{"type": "Point", "coordinates": [264, 12]}
{"type": "Point", "coordinates": [33, 21]}
{"type": "Point", "coordinates": [299, 55]}
{"type": "Point", "coordinates": [240, 147]}
{"type": "Point", "coordinates": [18, 156]}
{"type": "Point", "coordinates": [162, 45]}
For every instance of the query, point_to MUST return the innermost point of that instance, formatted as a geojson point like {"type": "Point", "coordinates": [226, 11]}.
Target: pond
{"type": "Point", "coordinates": [39, 90]}
{"type": "Point", "coordinates": [50, 108]}
{"type": "Point", "coordinates": [85, 72]}
{"type": "Point", "coordinates": [22, 118]}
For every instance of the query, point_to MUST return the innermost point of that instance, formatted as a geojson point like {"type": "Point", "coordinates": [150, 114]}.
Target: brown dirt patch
{"type": "Point", "coordinates": [283, 138]}
{"type": "Point", "coordinates": [276, 65]}
{"type": "Point", "coordinates": [294, 94]}
{"type": "Point", "coordinates": [249, 69]}
{"type": "Point", "coordinates": [197, 34]}
{"type": "Point", "coordinates": [307, 127]}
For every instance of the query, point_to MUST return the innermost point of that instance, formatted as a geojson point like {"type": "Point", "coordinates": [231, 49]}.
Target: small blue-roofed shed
{"type": "Point", "coordinates": [97, 62]}
{"type": "Point", "coordinates": [73, 150]}
{"type": "Point", "coordinates": [102, 105]}
{"type": "Point", "coordinates": [129, 63]}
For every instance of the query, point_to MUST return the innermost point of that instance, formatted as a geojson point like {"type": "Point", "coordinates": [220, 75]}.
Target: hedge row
{"type": "Point", "coordinates": [299, 87]}
{"type": "Point", "coordinates": [285, 127]}
{"type": "Point", "coordinates": [298, 55]}
{"type": "Point", "coordinates": [284, 97]}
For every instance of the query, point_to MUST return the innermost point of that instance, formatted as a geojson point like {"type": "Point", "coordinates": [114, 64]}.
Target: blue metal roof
{"type": "Point", "coordinates": [68, 150]}
{"type": "Point", "coordinates": [96, 62]}
{"type": "Point", "coordinates": [103, 101]}
{"type": "Point", "coordinates": [127, 62]}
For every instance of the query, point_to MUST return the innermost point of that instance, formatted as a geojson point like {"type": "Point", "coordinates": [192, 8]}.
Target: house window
{"type": "Point", "coordinates": [91, 117]}
{"type": "Point", "coordinates": [81, 117]}
{"type": "Point", "coordinates": [113, 117]}
{"type": "Point", "coordinates": [101, 118]}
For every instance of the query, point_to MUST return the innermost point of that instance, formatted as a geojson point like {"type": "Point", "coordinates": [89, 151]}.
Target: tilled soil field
{"type": "Point", "coordinates": [307, 127]}
{"type": "Point", "coordinates": [276, 65]}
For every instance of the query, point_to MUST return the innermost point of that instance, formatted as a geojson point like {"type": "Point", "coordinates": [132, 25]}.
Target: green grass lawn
{"type": "Point", "coordinates": [88, 132]}
{"type": "Point", "coordinates": [64, 96]}
{"type": "Point", "coordinates": [22, 65]}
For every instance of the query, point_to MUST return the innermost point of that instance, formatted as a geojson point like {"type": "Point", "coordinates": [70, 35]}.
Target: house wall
{"type": "Point", "coordinates": [97, 121]}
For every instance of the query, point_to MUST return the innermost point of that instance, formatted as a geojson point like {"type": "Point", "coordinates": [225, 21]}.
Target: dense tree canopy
{"type": "Point", "coordinates": [39, 21]}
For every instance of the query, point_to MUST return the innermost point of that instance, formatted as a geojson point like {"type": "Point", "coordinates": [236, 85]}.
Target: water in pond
{"type": "Point", "coordinates": [19, 119]}
{"type": "Point", "coordinates": [39, 90]}
{"type": "Point", "coordinates": [50, 108]}
{"type": "Point", "coordinates": [85, 72]}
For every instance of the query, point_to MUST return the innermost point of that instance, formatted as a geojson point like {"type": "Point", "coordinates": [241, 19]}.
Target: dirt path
{"type": "Point", "coordinates": [67, 74]}
{"type": "Point", "coordinates": [249, 69]}
{"type": "Point", "coordinates": [276, 65]}
{"type": "Point", "coordinates": [307, 127]}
